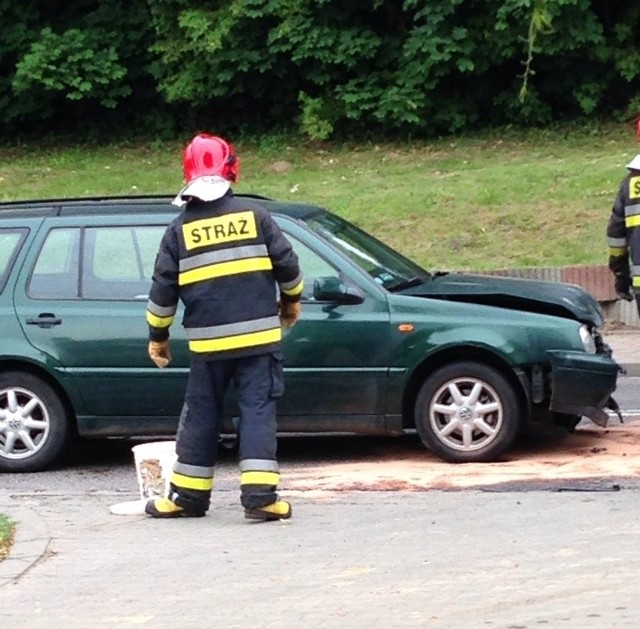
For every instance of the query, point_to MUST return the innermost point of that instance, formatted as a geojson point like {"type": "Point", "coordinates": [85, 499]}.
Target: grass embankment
{"type": "Point", "coordinates": [540, 198]}
{"type": "Point", "coordinates": [6, 535]}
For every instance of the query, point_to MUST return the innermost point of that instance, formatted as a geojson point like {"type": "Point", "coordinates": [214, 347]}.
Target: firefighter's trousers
{"type": "Point", "coordinates": [258, 383]}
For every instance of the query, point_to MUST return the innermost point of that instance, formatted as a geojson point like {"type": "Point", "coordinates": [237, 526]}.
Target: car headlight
{"type": "Point", "coordinates": [587, 340]}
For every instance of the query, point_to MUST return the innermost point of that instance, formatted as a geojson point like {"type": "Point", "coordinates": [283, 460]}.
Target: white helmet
{"type": "Point", "coordinates": [634, 164]}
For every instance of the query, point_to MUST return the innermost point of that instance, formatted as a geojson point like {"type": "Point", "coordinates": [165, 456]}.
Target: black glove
{"type": "Point", "coordinates": [623, 286]}
{"type": "Point", "coordinates": [619, 265]}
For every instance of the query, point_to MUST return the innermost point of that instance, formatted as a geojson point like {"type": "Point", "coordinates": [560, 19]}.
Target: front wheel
{"type": "Point", "coordinates": [34, 428]}
{"type": "Point", "coordinates": [467, 412]}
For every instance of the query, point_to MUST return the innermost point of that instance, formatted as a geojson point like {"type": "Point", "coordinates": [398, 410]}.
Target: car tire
{"type": "Point", "coordinates": [34, 427]}
{"type": "Point", "coordinates": [467, 412]}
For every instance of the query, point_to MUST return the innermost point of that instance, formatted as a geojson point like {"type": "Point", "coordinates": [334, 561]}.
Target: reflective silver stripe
{"type": "Point", "coordinates": [635, 270]}
{"type": "Point", "coordinates": [224, 255]}
{"type": "Point", "coordinates": [292, 284]}
{"type": "Point", "coordinates": [617, 242]}
{"type": "Point", "coordinates": [291, 289]}
{"type": "Point", "coordinates": [632, 210]}
{"type": "Point", "coordinates": [196, 471]}
{"type": "Point", "coordinates": [233, 329]}
{"type": "Point", "coordinates": [161, 311]}
{"type": "Point", "coordinates": [258, 465]}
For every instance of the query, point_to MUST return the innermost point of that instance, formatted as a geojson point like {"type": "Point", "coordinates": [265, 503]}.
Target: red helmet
{"type": "Point", "coordinates": [210, 155]}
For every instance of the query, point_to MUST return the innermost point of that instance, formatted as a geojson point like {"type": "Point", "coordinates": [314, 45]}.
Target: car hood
{"type": "Point", "coordinates": [552, 298]}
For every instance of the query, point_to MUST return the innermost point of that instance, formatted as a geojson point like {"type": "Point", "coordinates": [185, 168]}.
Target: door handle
{"type": "Point", "coordinates": [44, 320]}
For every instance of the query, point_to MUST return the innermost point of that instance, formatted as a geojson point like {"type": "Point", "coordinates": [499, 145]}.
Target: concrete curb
{"type": "Point", "coordinates": [32, 538]}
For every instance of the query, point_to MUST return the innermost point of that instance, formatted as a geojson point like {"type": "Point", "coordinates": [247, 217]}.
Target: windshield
{"type": "Point", "coordinates": [386, 266]}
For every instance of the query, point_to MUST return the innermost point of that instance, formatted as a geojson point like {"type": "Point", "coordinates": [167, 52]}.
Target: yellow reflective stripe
{"type": "Point", "coordinates": [191, 482]}
{"type": "Point", "coordinates": [296, 290]}
{"type": "Point", "coordinates": [632, 221]}
{"type": "Point", "coordinates": [635, 282]}
{"type": "Point", "coordinates": [618, 252]}
{"type": "Point", "coordinates": [159, 322]}
{"type": "Point", "coordinates": [233, 267]}
{"type": "Point", "coordinates": [236, 342]}
{"type": "Point", "coordinates": [259, 478]}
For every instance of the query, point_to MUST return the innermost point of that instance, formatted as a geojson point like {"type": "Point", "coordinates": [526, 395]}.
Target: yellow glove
{"type": "Point", "coordinates": [289, 313]}
{"type": "Point", "coordinates": [160, 353]}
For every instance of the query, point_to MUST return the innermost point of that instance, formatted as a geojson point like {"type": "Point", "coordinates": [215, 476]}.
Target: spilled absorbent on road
{"type": "Point", "coordinates": [591, 458]}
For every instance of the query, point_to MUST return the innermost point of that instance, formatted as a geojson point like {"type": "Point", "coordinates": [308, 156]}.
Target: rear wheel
{"type": "Point", "coordinates": [34, 427]}
{"type": "Point", "coordinates": [467, 412]}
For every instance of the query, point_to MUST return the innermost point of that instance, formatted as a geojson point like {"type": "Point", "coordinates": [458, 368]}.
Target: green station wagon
{"type": "Point", "coordinates": [383, 347]}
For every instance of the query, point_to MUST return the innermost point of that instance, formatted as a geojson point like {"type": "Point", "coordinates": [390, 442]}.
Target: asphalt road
{"type": "Point", "coordinates": [628, 397]}
{"type": "Point", "coordinates": [516, 558]}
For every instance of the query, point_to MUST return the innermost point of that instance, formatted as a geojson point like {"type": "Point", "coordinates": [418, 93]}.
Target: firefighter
{"type": "Point", "coordinates": [239, 279]}
{"type": "Point", "coordinates": [623, 234]}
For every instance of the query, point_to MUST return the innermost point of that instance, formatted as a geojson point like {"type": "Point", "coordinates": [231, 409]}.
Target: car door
{"type": "Point", "coordinates": [337, 355]}
{"type": "Point", "coordinates": [81, 299]}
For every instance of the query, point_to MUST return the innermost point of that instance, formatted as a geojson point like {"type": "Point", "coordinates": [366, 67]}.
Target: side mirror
{"type": "Point", "coordinates": [330, 288]}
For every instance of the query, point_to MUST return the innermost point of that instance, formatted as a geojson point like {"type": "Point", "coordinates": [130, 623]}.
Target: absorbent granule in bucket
{"type": "Point", "coordinates": [154, 463]}
{"type": "Point", "coordinates": [153, 483]}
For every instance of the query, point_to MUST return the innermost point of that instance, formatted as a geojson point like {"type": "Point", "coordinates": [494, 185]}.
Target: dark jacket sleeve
{"type": "Point", "coordinates": [617, 232]}
{"type": "Point", "coordinates": [286, 266]}
{"type": "Point", "coordinates": [164, 293]}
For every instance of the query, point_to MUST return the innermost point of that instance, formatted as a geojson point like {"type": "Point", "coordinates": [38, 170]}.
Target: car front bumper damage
{"type": "Point", "coordinates": [582, 384]}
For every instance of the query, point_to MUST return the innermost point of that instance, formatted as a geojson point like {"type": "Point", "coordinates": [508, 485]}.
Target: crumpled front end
{"type": "Point", "coordinates": [582, 384]}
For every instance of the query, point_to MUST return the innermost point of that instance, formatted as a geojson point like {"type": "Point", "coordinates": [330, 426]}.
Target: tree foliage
{"type": "Point", "coordinates": [71, 65]}
{"type": "Point", "coordinates": [77, 64]}
{"type": "Point", "coordinates": [327, 67]}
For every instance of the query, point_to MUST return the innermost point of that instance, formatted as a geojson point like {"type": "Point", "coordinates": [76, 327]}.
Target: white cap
{"type": "Point", "coordinates": [205, 188]}
{"type": "Point", "coordinates": [634, 164]}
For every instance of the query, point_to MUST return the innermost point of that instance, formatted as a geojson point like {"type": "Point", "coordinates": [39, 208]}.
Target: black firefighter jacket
{"type": "Point", "coordinates": [623, 229]}
{"type": "Point", "coordinates": [223, 259]}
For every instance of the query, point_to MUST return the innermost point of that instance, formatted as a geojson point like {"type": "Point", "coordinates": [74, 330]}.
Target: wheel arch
{"type": "Point", "coordinates": [450, 355]}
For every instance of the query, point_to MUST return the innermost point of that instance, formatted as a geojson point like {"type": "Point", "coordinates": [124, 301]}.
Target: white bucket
{"type": "Point", "coordinates": [154, 464]}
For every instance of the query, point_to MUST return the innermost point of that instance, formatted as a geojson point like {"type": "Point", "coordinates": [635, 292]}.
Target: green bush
{"type": "Point", "coordinates": [76, 64]}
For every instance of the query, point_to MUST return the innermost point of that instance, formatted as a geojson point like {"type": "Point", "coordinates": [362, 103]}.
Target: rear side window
{"type": "Point", "coordinates": [56, 272]}
{"type": "Point", "coordinates": [118, 261]}
{"type": "Point", "coordinates": [10, 242]}
{"type": "Point", "coordinates": [110, 263]}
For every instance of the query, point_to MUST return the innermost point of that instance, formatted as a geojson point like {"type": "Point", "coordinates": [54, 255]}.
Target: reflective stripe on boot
{"type": "Point", "coordinates": [259, 480]}
{"type": "Point", "coordinates": [191, 486]}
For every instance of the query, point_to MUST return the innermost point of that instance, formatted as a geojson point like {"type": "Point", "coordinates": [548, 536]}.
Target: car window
{"type": "Point", "coordinates": [10, 241]}
{"type": "Point", "coordinates": [312, 265]}
{"type": "Point", "coordinates": [55, 274]}
{"type": "Point", "coordinates": [118, 261]}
